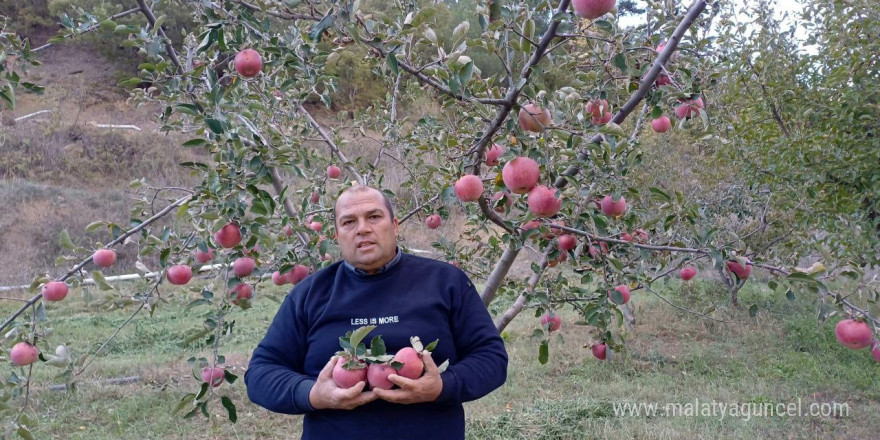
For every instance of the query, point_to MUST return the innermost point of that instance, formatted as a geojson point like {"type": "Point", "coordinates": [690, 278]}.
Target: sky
{"type": "Point", "coordinates": [793, 7]}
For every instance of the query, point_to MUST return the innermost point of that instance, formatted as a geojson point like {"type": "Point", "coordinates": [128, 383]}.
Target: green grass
{"type": "Point", "coordinates": [779, 356]}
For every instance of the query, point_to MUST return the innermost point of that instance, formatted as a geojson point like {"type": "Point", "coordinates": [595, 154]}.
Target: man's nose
{"type": "Point", "coordinates": [364, 226]}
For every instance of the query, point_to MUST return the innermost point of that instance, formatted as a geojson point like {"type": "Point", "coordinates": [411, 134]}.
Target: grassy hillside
{"type": "Point", "coordinates": [778, 357]}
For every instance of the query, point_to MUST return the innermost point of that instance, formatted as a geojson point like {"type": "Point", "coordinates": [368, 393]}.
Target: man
{"type": "Point", "coordinates": [404, 295]}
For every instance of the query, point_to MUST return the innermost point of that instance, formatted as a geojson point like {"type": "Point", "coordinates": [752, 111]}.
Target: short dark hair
{"type": "Point", "coordinates": [364, 188]}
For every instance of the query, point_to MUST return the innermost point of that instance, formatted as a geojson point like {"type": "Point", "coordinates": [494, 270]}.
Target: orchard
{"type": "Point", "coordinates": [538, 126]}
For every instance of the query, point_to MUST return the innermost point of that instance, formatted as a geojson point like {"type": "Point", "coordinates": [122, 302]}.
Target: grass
{"type": "Point", "coordinates": [778, 357]}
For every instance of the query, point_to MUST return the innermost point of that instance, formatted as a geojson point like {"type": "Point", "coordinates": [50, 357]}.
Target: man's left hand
{"type": "Point", "coordinates": [424, 389]}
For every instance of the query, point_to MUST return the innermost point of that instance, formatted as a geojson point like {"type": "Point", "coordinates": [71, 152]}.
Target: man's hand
{"type": "Point", "coordinates": [325, 394]}
{"type": "Point", "coordinates": [424, 389]}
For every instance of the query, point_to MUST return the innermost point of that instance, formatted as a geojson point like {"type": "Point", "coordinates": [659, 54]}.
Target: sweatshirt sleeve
{"type": "Point", "coordinates": [482, 357]}
{"type": "Point", "coordinates": [274, 376]}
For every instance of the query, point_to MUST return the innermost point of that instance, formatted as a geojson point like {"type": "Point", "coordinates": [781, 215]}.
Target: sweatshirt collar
{"type": "Point", "coordinates": [382, 269]}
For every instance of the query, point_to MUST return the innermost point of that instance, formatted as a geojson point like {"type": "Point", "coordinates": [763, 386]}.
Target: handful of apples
{"type": "Point", "coordinates": [356, 363]}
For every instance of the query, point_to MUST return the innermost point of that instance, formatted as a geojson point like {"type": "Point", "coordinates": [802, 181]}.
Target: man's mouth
{"type": "Point", "coordinates": [364, 244]}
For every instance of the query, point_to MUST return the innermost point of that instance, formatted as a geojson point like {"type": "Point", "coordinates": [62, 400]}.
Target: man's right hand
{"type": "Point", "coordinates": [325, 394]}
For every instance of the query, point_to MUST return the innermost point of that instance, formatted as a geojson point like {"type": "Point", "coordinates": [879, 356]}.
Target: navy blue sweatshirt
{"type": "Point", "coordinates": [415, 297]}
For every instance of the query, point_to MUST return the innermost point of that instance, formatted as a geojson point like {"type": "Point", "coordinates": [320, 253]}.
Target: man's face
{"type": "Point", "coordinates": [366, 233]}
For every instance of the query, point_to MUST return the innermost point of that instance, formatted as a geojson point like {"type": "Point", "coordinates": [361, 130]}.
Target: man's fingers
{"type": "Point", "coordinates": [393, 396]}
{"type": "Point", "coordinates": [400, 381]}
{"type": "Point", "coordinates": [430, 366]}
{"type": "Point", "coordinates": [327, 371]}
{"type": "Point", "coordinates": [351, 393]}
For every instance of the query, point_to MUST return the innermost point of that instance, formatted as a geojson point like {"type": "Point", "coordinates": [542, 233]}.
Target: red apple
{"type": "Point", "coordinates": [611, 208]}
{"type": "Point", "coordinates": [600, 351]}
{"type": "Point", "coordinates": [686, 273]}
{"type": "Point", "coordinates": [853, 334]}
{"type": "Point", "coordinates": [661, 124]}
{"type": "Point", "coordinates": [552, 320]}
{"type": "Point", "coordinates": [543, 201]}
{"type": "Point", "coordinates": [297, 274]}
{"type": "Point", "coordinates": [23, 354]}
{"type": "Point", "coordinates": [660, 47]}
{"type": "Point", "coordinates": [592, 9]}
{"type": "Point", "coordinates": [434, 221]}
{"type": "Point", "coordinates": [598, 107]}
{"type": "Point", "coordinates": [520, 175]}
{"type": "Point", "coordinates": [624, 292]}
{"type": "Point", "coordinates": [243, 291]}
{"type": "Point", "coordinates": [640, 236]}
{"type": "Point", "coordinates": [531, 224]}
{"type": "Point", "coordinates": [567, 242]}
{"type": "Point", "coordinates": [179, 274]}
{"type": "Point", "coordinates": [469, 188]}
{"type": "Point", "coordinates": [54, 290]}
{"type": "Point", "coordinates": [346, 378]}
{"type": "Point", "coordinates": [413, 365]}
{"type": "Point", "coordinates": [377, 376]}
{"type": "Point", "coordinates": [533, 118]}
{"type": "Point", "coordinates": [243, 266]}
{"type": "Point", "coordinates": [104, 258]}
{"type": "Point", "coordinates": [228, 236]}
{"type": "Point", "coordinates": [204, 257]}
{"type": "Point", "coordinates": [333, 172]}
{"type": "Point", "coordinates": [740, 271]}
{"type": "Point", "coordinates": [248, 63]}
{"type": "Point", "coordinates": [626, 237]}
{"type": "Point", "coordinates": [278, 279]}
{"type": "Point", "coordinates": [563, 257]}
{"type": "Point", "coordinates": [316, 197]}
{"type": "Point", "coordinates": [663, 80]}
{"type": "Point", "coordinates": [689, 108]}
{"type": "Point", "coordinates": [604, 119]}
{"type": "Point", "coordinates": [493, 153]}
{"type": "Point", "coordinates": [214, 376]}
{"type": "Point", "coordinates": [316, 226]}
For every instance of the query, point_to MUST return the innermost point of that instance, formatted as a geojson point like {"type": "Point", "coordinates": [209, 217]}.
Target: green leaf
{"type": "Point", "coordinates": [377, 346]}
{"type": "Point", "coordinates": [753, 310]}
{"type": "Point", "coordinates": [392, 63]}
{"type": "Point", "coordinates": [64, 240]}
{"type": "Point", "coordinates": [789, 295]}
{"type": "Point", "coordinates": [215, 126]}
{"type": "Point", "coordinates": [318, 29]}
{"type": "Point", "coordinates": [659, 194]}
{"type": "Point", "coordinates": [100, 281]}
{"type": "Point", "coordinates": [24, 433]}
{"type": "Point", "coordinates": [359, 334]}
{"type": "Point", "coordinates": [183, 402]}
{"type": "Point", "coordinates": [230, 408]}
{"type": "Point", "coordinates": [432, 345]}
{"type": "Point", "coordinates": [544, 352]}
{"type": "Point", "coordinates": [8, 96]}
{"type": "Point", "coordinates": [619, 61]}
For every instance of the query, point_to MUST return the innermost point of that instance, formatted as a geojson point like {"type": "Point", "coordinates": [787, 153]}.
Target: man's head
{"type": "Point", "coordinates": [365, 228]}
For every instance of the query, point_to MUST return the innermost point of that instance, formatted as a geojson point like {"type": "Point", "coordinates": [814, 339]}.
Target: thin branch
{"type": "Point", "coordinates": [283, 15]}
{"type": "Point", "coordinates": [645, 84]}
{"type": "Point", "coordinates": [118, 329]}
{"type": "Point", "coordinates": [418, 208]}
{"type": "Point", "coordinates": [88, 260]}
{"type": "Point", "coordinates": [168, 47]}
{"type": "Point", "coordinates": [683, 309]}
{"type": "Point", "coordinates": [91, 28]}
{"type": "Point", "coordinates": [333, 147]}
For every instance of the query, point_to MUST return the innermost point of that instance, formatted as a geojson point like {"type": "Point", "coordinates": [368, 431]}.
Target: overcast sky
{"type": "Point", "coordinates": [793, 8]}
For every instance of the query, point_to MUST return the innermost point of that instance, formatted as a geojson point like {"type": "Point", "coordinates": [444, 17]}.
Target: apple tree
{"type": "Point", "coordinates": [536, 156]}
